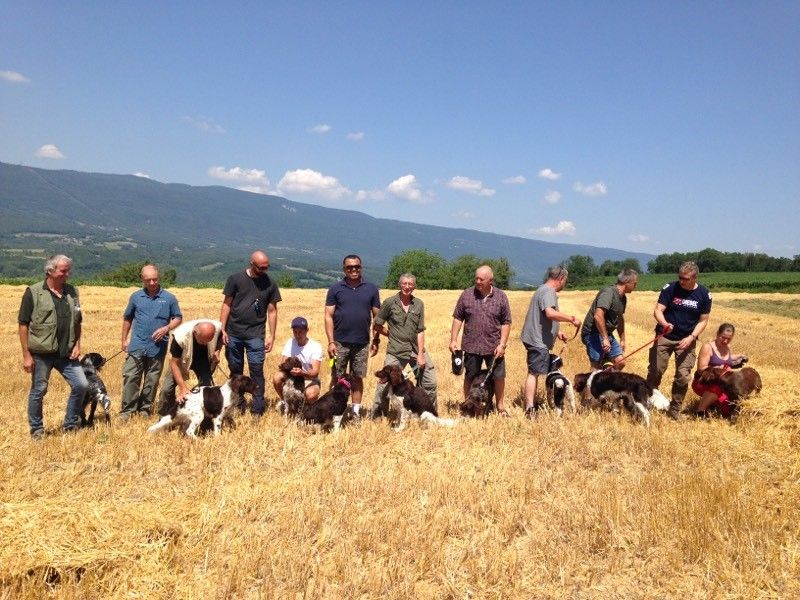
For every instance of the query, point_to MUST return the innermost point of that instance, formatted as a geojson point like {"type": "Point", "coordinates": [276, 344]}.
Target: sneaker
{"type": "Point", "coordinates": [37, 435]}
{"type": "Point", "coordinates": [530, 413]}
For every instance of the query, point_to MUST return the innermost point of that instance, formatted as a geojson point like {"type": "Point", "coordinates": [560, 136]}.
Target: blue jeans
{"type": "Point", "coordinates": [594, 347]}
{"type": "Point", "coordinates": [73, 373]}
{"type": "Point", "coordinates": [235, 353]}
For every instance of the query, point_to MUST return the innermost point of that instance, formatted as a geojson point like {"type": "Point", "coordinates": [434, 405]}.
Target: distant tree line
{"type": "Point", "coordinates": [581, 267]}
{"type": "Point", "coordinates": [433, 272]}
{"type": "Point", "coordinates": [710, 261]}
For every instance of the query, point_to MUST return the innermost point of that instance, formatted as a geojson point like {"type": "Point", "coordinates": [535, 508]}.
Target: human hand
{"type": "Point", "coordinates": [76, 351]}
{"type": "Point", "coordinates": [27, 363]}
{"type": "Point", "coordinates": [297, 371]}
{"type": "Point", "coordinates": [421, 360]}
{"type": "Point", "coordinates": [224, 338]}
{"type": "Point", "coordinates": [159, 333]}
{"type": "Point", "coordinates": [453, 346]}
{"type": "Point", "coordinates": [562, 336]}
{"type": "Point", "coordinates": [268, 344]}
{"type": "Point", "coordinates": [606, 344]}
{"type": "Point", "coordinates": [332, 349]}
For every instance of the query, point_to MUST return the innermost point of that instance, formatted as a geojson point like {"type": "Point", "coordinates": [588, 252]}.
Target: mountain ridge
{"type": "Point", "coordinates": [207, 231]}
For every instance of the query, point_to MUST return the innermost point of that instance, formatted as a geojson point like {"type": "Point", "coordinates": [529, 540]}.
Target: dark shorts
{"type": "Point", "coordinates": [538, 360]}
{"type": "Point", "coordinates": [355, 355]}
{"type": "Point", "coordinates": [473, 364]}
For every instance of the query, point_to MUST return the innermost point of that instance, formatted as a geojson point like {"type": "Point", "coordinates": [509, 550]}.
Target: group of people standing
{"type": "Point", "coordinates": [153, 331]}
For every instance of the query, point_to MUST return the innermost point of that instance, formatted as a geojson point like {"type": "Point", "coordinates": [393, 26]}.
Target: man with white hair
{"type": "Point", "coordinates": [50, 335]}
{"type": "Point", "coordinates": [485, 314]}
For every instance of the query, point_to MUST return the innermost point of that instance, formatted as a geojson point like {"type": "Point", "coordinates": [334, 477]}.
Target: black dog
{"type": "Point", "coordinates": [559, 388]}
{"type": "Point", "coordinates": [96, 394]}
{"type": "Point", "coordinates": [331, 406]}
{"type": "Point", "coordinates": [479, 400]}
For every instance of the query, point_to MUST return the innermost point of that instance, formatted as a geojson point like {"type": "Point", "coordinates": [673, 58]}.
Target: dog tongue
{"type": "Point", "coordinates": [345, 383]}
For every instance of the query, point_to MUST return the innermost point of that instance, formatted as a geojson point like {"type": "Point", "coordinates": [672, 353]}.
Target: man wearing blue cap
{"type": "Point", "coordinates": [310, 354]}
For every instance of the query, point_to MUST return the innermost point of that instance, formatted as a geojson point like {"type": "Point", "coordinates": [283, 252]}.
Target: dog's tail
{"type": "Point", "coordinates": [428, 417]}
{"type": "Point", "coordinates": [659, 401]}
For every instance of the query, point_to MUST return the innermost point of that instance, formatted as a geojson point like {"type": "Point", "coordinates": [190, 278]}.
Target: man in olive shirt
{"type": "Point", "coordinates": [405, 316]}
{"type": "Point", "coordinates": [606, 315]}
{"type": "Point", "coordinates": [50, 335]}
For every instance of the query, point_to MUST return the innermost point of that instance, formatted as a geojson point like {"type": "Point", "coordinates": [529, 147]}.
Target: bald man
{"type": "Point", "coordinates": [194, 347]}
{"type": "Point", "coordinates": [152, 313]}
{"type": "Point", "coordinates": [485, 314]}
{"type": "Point", "coordinates": [250, 301]}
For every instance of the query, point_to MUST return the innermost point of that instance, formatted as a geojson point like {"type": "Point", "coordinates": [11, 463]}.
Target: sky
{"type": "Point", "coordinates": [646, 126]}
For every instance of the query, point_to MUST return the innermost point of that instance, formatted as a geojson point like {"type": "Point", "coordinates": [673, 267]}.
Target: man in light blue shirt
{"type": "Point", "coordinates": [151, 314]}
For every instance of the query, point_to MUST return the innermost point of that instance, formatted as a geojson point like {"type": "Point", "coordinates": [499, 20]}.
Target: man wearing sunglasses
{"type": "Point", "coordinates": [681, 315]}
{"type": "Point", "coordinates": [350, 305]}
{"type": "Point", "coordinates": [251, 299]}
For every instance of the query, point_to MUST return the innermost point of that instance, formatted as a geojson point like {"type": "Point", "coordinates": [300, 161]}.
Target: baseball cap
{"type": "Point", "coordinates": [299, 323]}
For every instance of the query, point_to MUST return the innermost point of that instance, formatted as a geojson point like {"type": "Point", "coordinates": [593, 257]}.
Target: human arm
{"type": "Point", "coordinates": [455, 328]}
{"type": "Point", "coordinates": [126, 329]}
{"type": "Point", "coordinates": [27, 358]}
{"type": "Point", "coordinates": [704, 357]}
{"type": "Point", "coordinates": [329, 310]}
{"type": "Point", "coordinates": [658, 313]}
{"type": "Point", "coordinates": [692, 337]}
{"type": "Point", "coordinates": [555, 315]}
{"type": "Point", "coordinates": [621, 331]}
{"type": "Point", "coordinates": [76, 349]}
{"type": "Point", "coordinates": [600, 325]}
{"type": "Point", "coordinates": [421, 350]}
{"type": "Point", "coordinates": [182, 389]}
{"type": "Point", "coordinates": [376, 339]}
{"type": "Point", "coordinates": [501, 347]}
{"type": "Point", "coordinates": [272, 320]}
{"type": "Point", "coordinates": [224, 315]}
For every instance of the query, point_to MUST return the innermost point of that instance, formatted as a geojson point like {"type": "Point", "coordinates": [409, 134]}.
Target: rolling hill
{"type": "Point", "coordinates": [103, 220]}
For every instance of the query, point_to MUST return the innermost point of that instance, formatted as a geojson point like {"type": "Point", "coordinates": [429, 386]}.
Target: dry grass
{"type": "Point", "coordinates": [590, 506]}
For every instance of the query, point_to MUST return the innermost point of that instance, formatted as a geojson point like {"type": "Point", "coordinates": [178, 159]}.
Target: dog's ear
{"type": "Point", "coordinates": [580, 382]}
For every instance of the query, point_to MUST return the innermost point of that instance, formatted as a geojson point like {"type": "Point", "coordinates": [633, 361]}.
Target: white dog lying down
{"type": "Point", "coordinates": [215, 402]}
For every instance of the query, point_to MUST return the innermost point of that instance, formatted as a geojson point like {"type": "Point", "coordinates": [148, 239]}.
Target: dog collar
{"type": "Point", "coordinates": [345, 383]}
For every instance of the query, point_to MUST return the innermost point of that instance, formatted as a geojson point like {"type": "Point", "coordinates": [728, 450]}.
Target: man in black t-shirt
{"type": "Point", "coordinates": [251, 299]}
{"type": "Point", "coordinates": [681, 312]}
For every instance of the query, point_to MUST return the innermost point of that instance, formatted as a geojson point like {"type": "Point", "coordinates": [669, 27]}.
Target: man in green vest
{"type": "Point", "coordinates": [49, 333]}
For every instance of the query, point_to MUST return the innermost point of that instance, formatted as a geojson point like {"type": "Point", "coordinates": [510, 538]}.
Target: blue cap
{"type": "Point", "coordinates": [299, 323]}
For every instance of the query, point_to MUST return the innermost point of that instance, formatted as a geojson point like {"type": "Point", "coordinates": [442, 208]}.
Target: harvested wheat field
{"type": "Point", "coordinates": [587, 506]}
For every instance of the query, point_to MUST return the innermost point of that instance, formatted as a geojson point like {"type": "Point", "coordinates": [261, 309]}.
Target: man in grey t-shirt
{"type": "Point", "coordinates": [540, 330]}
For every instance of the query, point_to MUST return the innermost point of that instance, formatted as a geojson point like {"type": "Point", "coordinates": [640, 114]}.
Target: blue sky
{"type": "Point", "coordinates": [652, 127]}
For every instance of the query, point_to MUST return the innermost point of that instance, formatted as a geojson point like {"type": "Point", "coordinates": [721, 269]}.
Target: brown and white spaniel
{"type": "Point", "coordinates": [404, 399]}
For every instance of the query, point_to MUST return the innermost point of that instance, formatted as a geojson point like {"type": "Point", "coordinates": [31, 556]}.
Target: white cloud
{"type": "Point", "coordinates": [549, 174]}
{"type": "Point", "coordinates": [516, 180]}
{"type": "Point", "coordinates": [594, 189]}
{"type": "Point", "coordinates": [255, 189]}
{"type": "Point", "coordinates": [562, 228]}
{"type": "Point", "coordinates": [355, 136]}
{"type": "Point", "coordinates": [463, 214]}
{"type": "Point", "coordinates": [49, 151]}
{"type": "Point", "coordinates": [321, 128]}
{"type": "Point", "coordinates": [638, 237]}
{"type": "Point", "coordinates": [364, 195]}
{"type": "Point", "coordinates": [471, 186]}
{"type": "Point", "coordinates": [552, 196]}
{"type": "Point", "coordinates": [308, 181]}
{"type": "Point", "coordinates": [143, 175]}
{"type": "Point", "coordinates": [14, 77]}
{"type": "Point", "coordinates": [203, 124]}
{"type": "Point", "coordinates": [251, 177]}
{"type": "Point", "coordinates": [406, 187]}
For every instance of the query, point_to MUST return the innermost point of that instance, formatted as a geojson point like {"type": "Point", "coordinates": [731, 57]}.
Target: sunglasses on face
{"type": "Point", "coordinates": [352, 268]}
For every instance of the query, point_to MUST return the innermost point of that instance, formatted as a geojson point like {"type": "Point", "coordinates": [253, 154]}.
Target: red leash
{"type": "Point", "coordinates": [574, 335]}
{"type": "Point", "coordinates": [643, 346]}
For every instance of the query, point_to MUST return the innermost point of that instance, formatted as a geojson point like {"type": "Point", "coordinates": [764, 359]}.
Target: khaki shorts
{"type": "Point", "coordinates": [354, 355]}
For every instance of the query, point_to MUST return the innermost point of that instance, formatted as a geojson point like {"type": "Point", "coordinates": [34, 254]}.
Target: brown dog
{"type": "Point", "coordinates": [737, 383]}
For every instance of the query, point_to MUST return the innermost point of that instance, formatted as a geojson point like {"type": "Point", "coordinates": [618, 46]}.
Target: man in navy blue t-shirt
{"type": "Point", "coordinates": [681, 312]}
{"type": "Point", "coordinates": [350, 305]}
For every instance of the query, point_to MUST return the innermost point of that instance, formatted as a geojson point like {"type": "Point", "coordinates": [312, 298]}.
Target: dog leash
{"type": "Point", "coordinates": [574, 335]}
{"type": "Point", "coordinates": [489, 372]}
{"type": "Point", "coordinates": [643, 346]}
{"type": "Point", "coordinates": [113, 356]}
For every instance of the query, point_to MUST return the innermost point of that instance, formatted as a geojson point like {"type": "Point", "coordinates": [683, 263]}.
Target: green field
{"type": "Point", "coordinates": [785, 282]}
